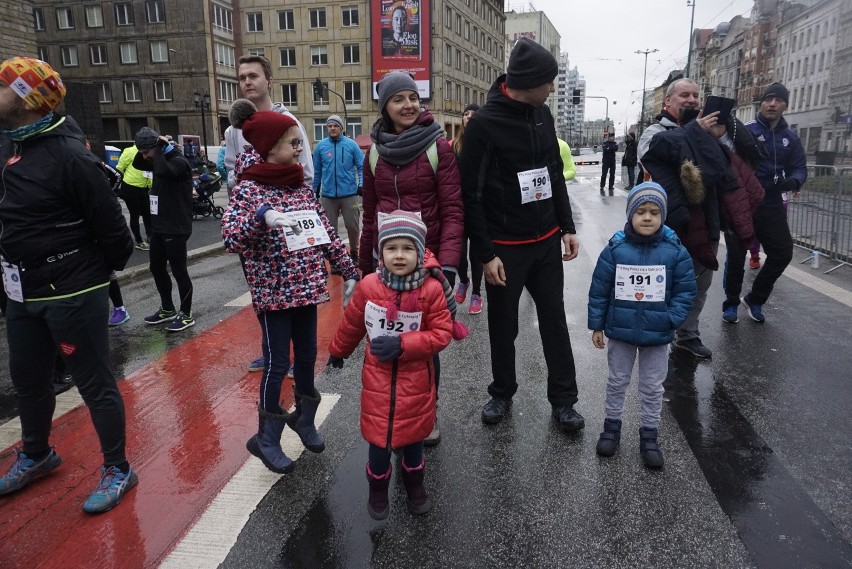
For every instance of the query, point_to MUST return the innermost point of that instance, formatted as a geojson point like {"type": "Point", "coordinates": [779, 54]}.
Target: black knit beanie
{"type": "Point", "coordinates": [530, 65]}
{"type": "Point", "coordinates": [471, 107]}
{"type": "Point", "coordinates": [778, 91]}
{"type": "Point", "coordinates": [147, 138]}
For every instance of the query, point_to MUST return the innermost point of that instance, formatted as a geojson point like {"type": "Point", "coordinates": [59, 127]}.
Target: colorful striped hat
{"type": "Point", "coordinates": [646, 192]}
{"type": "Point", "coordinates": [403, 224]}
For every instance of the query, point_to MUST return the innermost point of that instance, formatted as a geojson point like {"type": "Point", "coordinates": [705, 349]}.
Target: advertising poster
{"type": "Point", "coordinates": [403, 41]}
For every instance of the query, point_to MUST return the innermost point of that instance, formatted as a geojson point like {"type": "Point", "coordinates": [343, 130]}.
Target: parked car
{"type": "Point", "coordinates": [586, 156]}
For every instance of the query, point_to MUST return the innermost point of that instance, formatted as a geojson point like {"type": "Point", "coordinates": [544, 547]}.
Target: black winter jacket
{"type": "Point", "coordinates": [172, 185]}
{"type": "Point", "coordinates": [503, 138]}
{"type": "Point", "coordinates": [61, 222]}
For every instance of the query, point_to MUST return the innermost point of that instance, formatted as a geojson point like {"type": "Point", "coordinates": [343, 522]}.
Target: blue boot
{"type": "Point", "coordinates": [302, 421]}
{"type": "Point", "coordinates": [266, 444]}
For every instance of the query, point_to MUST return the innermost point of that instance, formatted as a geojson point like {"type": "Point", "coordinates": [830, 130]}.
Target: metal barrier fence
{"type": "Point", "coordinates": [821, 217]}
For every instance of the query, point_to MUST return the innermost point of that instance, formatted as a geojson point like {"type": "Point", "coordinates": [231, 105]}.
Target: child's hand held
{"type": "Point", "coordinates": [386, 348]}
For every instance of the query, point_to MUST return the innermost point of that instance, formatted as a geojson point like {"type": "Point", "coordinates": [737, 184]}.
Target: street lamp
{"type": "Point", "coordinates": [689, 49]}
{"type": "Point", "coordinates": [644, 79]}
{"type": "Point", "coordinates": [202, 103]}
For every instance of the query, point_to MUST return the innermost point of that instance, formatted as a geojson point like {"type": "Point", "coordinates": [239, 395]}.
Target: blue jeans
{"type": "Point", "coordinates": [278, 328]}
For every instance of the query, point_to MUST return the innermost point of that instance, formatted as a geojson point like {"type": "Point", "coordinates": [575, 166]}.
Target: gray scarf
{"type": "Point", "coordinates": [400, 149]}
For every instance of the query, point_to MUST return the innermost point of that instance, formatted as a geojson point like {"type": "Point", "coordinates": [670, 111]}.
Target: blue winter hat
{"type": "Point", "coordinates": [646, 192]}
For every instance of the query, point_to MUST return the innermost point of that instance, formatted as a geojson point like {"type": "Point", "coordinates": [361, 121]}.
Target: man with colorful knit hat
{"type": "Point", "coordinates": [57, 256]}
{"type": "Point", "coordinates": [518, 217]}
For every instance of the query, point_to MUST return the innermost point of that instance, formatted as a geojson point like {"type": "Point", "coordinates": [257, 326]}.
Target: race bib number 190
{"type": "Point", "coordinates": [535, 185]}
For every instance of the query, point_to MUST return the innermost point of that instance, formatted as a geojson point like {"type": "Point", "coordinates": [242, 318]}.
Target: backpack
{"type": "Point", "coordinates": [431, 153]}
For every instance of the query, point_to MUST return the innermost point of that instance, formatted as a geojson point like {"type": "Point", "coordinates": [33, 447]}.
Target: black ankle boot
{"type": "Point", "coordinates": [378, 504]}
{"type": "Point", "coordinates": [652, 456]}
{"type": "Point", "coordinates": [610, 437]}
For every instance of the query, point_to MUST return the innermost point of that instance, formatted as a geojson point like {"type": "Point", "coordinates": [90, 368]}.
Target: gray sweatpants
{"type": "Point", "coordinates": [351, 218]}
{"type": "Point", "coordinates": [653, 367]}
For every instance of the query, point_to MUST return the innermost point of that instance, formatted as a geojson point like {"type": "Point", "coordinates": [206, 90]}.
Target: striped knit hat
{"type": "Point", "coordinates": [646, 192]}
{"type": "Point", "coordinates": [403, 224]}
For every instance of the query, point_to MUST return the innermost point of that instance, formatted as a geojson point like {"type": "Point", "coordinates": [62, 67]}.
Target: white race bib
{"type": "Point", "coordinates": [155, 204]}
{"type": "Point", "coordinates": [147, 174]}
{"type": "Point", "coordinates": [313, 231]}
{"type": "Point", "coordinates": [376, 320]}
{"type": "Point", "coordinates": [12, 281]}
{"type": "Point", "coordinates": [642, 283]}
{"type": "Point", "coordinates": [535, 185]}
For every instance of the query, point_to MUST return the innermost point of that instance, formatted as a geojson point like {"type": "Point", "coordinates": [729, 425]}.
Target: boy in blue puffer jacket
{"type": "Point", "coordinates": [642, 289]}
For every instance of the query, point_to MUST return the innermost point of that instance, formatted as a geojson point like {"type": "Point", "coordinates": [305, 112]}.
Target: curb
{"type": "Point", "coordinates": [140, 271]}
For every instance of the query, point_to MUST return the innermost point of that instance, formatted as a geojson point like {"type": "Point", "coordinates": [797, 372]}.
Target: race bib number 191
{"type": "Point", "coordinates": [642, 283]}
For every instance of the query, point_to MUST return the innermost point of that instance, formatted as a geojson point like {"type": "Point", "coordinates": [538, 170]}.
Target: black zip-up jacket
{"type": "Point", "coordinates": [61, 222]}
{"type": "Point", "coordinates": [609, 149]}
{"type": "Point", "coordinates": [172, 185]}
{"type": "Point", "coordinates": [503, 138]}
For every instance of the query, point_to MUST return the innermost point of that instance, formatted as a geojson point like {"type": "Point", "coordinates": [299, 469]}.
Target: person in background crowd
{"type": "Point", "coordinates": [135, 184]}
{"type": "Point", "coordinates": [569, 170]}
{"type": "Point", "coordinates": [59, 306]}
{"type": "Point", "coordinates": [338, 179]}
{"type": "Point", "coordinates": [518, 217]}
{"type": "Point", "coordinates": [630, 159]}
{"type": "Point", "coordinates": [610, 147]}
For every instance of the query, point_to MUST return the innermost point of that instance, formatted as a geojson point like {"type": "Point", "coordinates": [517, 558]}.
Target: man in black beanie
{"type": "Point", "coordinates": [518, 217]}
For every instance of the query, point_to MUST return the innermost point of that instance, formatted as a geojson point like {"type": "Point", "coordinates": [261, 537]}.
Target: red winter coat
{"type": "Point", "coordinates": [397, 397]}
{"type": "Point", "coordinates": [415, 187]}
{"type": "Point", "coordinates": [739, 206]}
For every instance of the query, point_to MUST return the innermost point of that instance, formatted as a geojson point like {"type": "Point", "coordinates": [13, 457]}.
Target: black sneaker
{"type": "Point", "coordinates": [160, 316]}
{"type": "Point", "coordinates": [180, 322]}
{"type": "Point", "coordinates": [495, 410]}
{"type": "Point", "coordinates": [694, 347]}
{"type": "Point", "coordinates": [568, 419]}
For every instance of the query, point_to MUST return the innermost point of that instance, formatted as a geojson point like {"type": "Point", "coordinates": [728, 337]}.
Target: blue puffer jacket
{"type": "Point", "coordinates": [642, 323]}
{"type": "Point", "coordinates": [786, 158]}
{"type": "Point", "coordinates": [338, 167]}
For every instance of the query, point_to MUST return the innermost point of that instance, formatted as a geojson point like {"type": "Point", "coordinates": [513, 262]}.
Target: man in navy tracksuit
{"type": "Point", "coordinates": [338, 177]}
{"type": "Point", "coordinates": [610, 147]}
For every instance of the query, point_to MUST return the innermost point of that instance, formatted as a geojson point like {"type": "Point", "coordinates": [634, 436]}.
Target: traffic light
{"type": "Point", "coordinates": [318, 88]}
{"type": "Point", "coordinates": [577, 95]}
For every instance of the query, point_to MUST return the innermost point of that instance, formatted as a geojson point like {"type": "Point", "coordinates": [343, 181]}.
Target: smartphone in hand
{"type": "Point", "coordinates": [722, 104]}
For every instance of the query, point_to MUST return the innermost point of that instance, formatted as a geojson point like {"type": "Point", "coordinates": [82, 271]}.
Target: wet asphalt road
{"type": "Point", "coordinates": [758, 471]}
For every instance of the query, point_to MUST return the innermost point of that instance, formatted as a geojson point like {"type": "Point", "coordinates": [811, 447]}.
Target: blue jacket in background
{"type": "Point", "coordinates": [338, 167]}
{"type": "Point", "coordinates": [220, 163]}
{"type": "Point", "coordinates": [635, 322]}
{"type": "Point", "coordinates": [786, 158]}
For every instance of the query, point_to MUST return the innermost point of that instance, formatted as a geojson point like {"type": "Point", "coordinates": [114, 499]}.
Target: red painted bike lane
{"type": "Point", "coordinates": [189, 414]}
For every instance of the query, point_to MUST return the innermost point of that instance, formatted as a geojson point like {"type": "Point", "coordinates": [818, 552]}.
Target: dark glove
{"type": "Point", "coordinates": [386, 348]}
{"type": "Point", "coordinates": [788, 185]}
{"type": "Point", "coordinates": [451, 278]}
{"type": "Point", "coordinates": [335, 362]}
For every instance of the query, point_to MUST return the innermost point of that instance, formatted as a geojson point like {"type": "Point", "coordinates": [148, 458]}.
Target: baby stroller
{"type": "Point", "coordinates": [202, 201]}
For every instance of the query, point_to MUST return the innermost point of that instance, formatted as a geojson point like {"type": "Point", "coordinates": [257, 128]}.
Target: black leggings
{"type": "Point", "coordinates": [115, 293]}
{"type": "Point", "coordinates": [171, 249]}
{"type": "Point", "coordinates": [475, 269]}
{"type": "Point", "coordinates": [137, 204]}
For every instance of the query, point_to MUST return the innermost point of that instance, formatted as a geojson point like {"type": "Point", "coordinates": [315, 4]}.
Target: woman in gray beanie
{"type": "Point", "coordinates": [413, 168]}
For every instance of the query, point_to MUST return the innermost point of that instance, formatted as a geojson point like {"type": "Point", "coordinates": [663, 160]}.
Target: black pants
{"type": "Point", "coordinates": [75, 326]}
{"type": "Point", "coordinates": [538, 268]}
{"type": "Point", "coordinates": [170, 249]}
{"type": "Point", "coordinates": [137, 204]}
{"type": "Point", "coordinates": [115, 293]}
{"type": "Point", "coordinates": [608, 166]}
{"type": "Point", "coordinates": [773, 232]}
{"type": "Point", "coordinates": [475, 269]}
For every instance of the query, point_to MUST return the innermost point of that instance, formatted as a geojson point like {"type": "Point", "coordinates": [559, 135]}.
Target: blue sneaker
{"type": "Point", "coordinates": [258, 364]}
{"type": "Point", "coordinates": [24, 470]}
{"type": "Point", "coordinates": [730, 314]}
{"type": "Point", "coordinates": [754, 310]}
{"type": "Point", "coordinates": [119, 316]}
{"type": "Point", "coordinates": [110, 490]}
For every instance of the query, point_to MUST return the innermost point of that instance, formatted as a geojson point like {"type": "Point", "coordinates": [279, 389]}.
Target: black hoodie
{"type": "Point", "coordinates": [61, 222]}
{"type": "Point", "coordinates": [172, 186]}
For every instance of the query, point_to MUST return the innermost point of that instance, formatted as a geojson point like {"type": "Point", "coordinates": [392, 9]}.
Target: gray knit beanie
{"type": "Point", "coordinates": [530, 65]}
{"type": "Point", "coordinates": [391, 84]}
{"type": "Point", "coordinates": [147, 138]}
{"type": "Point", "coordinates": [336, 120]}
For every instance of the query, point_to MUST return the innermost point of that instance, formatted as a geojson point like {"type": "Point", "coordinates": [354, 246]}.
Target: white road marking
{"type": "Point", "coordinates": [10, 431]}
{"type": "Point", "coordinates": [244, 300]}
{"type": "Point", "coordinates": [208, 542]}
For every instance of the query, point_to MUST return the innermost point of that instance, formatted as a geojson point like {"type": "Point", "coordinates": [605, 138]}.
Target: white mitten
{"type": "Point", "coordinates": [348, 289]}
{"type": "Point", "coordinates": [274, 218]}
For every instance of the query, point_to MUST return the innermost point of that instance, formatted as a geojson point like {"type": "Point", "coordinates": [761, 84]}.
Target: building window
{"type": "Point", "coordinates": [223, 18]}
{"type": "Point", "coordinates": [319, 55]}
{"type": "Point", "coordinates": [69, 55]}
{"type": "Point", "coordinates": [319, 129]}
{"type": "Point", "coordinates": [155, 11]}
{"type": "Point", "coordinates": [448, 91]}
{"type": "Point", "coordinates": [132, 92]}
{"type": "Point", "coordinates": [448, 17]}
{"type": "Point", "coordinates": [466, 64]}
{"type": "Point", "coordinates": [467, 30]}
{"type": "Point", "coordinates": [94, 17]}
{"type": "Point", "coordinates": [224, 54]}
{"type": "Point", "coordinates": [42, 53]}
{"type": "Point", "coordinates": [353, 127]}
{"type": "Point", "coordinates": [352, 92]}
{"type": "Point", "coordinates": [38, 19]}
{"type": "Point", "coordinates": [285, 20]}
{"type": "Point", "coordinates": [352, 53]}
{"type": "Point", "coordinates": [255, 21]}
{"type": "Point", "coordinates": [162, 90]}
{"type": "Point", "coordinates": [64, 19]}
{"type": "Point", "coordinates": [104, 92]}
{"type": "Point", "coordinates": [257, 51]}
{"type": "Point", "coordinates": [458, 24]}
{"type": "Point", "coordinates": [128, 52]}
{"type": "Point", "coordinates": [288, 56]}
{"type": "Point", "coordinates": [349, 15]}
{"type": "Point", "coordinates": [317, 17]}
{"type": "Point", "coordinates": [321, 97]}
{"type": "Point", "coordinates": [448, 59]}
{"type": "Point", "coordinates": [124, 14]}
{"type": "Point", "coordinates": [458, 59]}
{"type": "Point", "coordinates": [98, 53]}
{"type": "Point", "coordinates": [227, 91]}
{"type": "Point", "coordinates": [159, 51]}
{"type": "Point", "coordinates": [288, 94]}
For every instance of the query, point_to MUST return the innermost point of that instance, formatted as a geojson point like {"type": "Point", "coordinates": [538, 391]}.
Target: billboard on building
{"type": "Point", "coordinates": [400, 41]}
